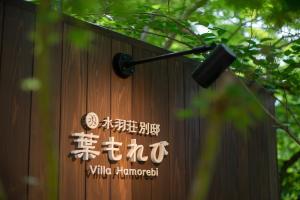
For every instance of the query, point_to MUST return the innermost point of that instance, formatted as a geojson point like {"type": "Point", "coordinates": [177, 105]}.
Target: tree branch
{"type": "Point", "coordinates": [288, 43]}
{"type": "Point", "coordinates": [237, 29]}
{"type": "Point", "coordinates": [288, 163]}
{"type": "Point", "coordinates": [197, 4]}
{"type": "Point", "coordinates": [152, 33]}
{"type": "Point", "coordinates": [290, 111]}
{"type": "Point", "coordinates": [275, 120]}
{"type": "Point", "coordinates": [178, 23]}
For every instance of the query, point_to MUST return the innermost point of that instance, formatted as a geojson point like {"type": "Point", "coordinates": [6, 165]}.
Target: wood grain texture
{"type": "Point", "coordinates": [231, 176]}
{"type": "Point", "coordinates": [258, 154]}
{"type": "Point", "coordinates": [16, 65]}
{"type": "Point", "coordinates": [269, 102]}
{"type": "Point", "coordinates": [2, 9]}
{"type": "Point", "coordinates": [177, 137]}
{"type": "Point", "coordinates": [98, 101]}
{"type": "Point", "coordinates": [243, 168]}
{"type": "Point", "coordinates": [1, 28]}
{"type": "Point", "coordinates": [121, 100]}
{"type": "Point", "coordinates": [160, 114]}
{"type": "Point", "coordinates": [73, 107]}
{"type": "Point", "coordinates": [191, 127]}
{"type": "Point", "coordinates": [228, 183]}
{"type": "Point", "coordinates": [141, 104]}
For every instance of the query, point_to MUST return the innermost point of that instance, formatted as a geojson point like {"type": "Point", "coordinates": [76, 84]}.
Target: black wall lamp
{"type": "Point", "coordinates": [205, 74]}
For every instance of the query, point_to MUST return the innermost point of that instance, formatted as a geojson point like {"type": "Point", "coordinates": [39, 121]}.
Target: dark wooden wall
{"type": "Point", "coordinates": [83, 81]}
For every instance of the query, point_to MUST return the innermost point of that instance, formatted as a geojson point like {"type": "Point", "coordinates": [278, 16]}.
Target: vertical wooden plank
{"type": "Point", "coordinates": [272, 149]}
{"type": "Point", "coordinates": [1, 28]}
{"type": "Point", "coordinates": [242, 169]}
{"type": "Point", "coordinates": [242, 156]}
{"type": "Point", "coordinates": [141, 111]}
{"type": "Point", "coordinates": [73, 107]}
{"type": "Point", "coordinates": [160, 114]}
{"type": "Point", "coordinates": [16, 64]}
{"type": "Point", "coordinates": [121, 93]}
{"type": "Point", "coordinates": [37, 163]}
{"type": "Point", "coordinates": [191, 127]}
{"type": "Point", "coordinates": [233, 158]}
{"type": "Point", "coordinates": [216, 190]}
{"type": "Point", "coordinates": [98, 101]}
{"type": "Point", "coordinates": [259, 162]}
{"type": "Point", "coordinates": [258, 165]}
{"type": "Point", "coordinates": [217, 183]}
{"type": "Point", "coordinates": [270, 134]}
{"type": "Point", "coordinates": [176, 132]}
{"type": "Point", "coordinates": [228, 183]}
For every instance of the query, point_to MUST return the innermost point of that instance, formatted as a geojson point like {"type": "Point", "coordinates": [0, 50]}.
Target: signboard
{"type": "Point", "coordinates": [87, 146]}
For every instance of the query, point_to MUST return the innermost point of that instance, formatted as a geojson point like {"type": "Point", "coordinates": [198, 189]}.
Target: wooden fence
{"type": "Point", "coordinates": [83, 81]}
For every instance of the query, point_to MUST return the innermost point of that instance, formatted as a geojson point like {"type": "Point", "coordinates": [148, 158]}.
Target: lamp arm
{"type": "Point", "coordinates": [196, 50]}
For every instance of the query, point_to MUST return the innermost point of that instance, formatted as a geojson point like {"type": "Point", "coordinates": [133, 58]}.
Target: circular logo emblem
{"type": "Point", "coordinates": [92, 120]}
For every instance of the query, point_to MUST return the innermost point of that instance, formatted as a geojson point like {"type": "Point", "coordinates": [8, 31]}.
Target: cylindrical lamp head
{"type": "Point", "coordinates": [211, 68]}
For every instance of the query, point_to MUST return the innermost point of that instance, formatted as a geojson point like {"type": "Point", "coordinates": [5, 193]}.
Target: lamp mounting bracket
{"type": "Point", "coordinates": [205, 74]}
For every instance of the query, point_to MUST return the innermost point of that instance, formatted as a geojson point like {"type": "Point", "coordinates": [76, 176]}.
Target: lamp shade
{"type": "Point", "coordinates": [209, 70]}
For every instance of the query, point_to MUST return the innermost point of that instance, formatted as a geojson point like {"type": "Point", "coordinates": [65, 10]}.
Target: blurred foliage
{"type": "Point", "coordinates": [265, 35]}
{"type": "Point", "coordinates": [80, 37]}
{"type": "Point", "coordinates": [232, 103]}
{"type": "Point", "coordinates": [2, 193]}
{"type": "Point", "coordinates": [45, 37]}
{"type": "Point", "coordinates": [31, 84]}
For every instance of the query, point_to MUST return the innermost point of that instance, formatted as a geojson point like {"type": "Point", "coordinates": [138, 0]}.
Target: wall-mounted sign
{"type": "Point", "coordinates": [87, 146]}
